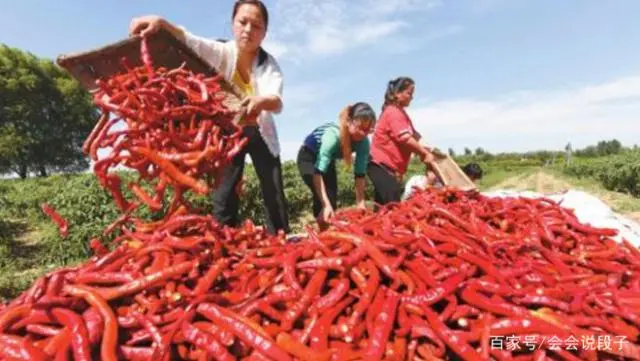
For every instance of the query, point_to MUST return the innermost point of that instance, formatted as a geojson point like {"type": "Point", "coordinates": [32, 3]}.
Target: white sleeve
{"type": "Point", "coordinates": [212, 51]}
{"type": "Point", "coordinates": [273, 81]}
{"type": "Point", "coordinates": [415, 181]}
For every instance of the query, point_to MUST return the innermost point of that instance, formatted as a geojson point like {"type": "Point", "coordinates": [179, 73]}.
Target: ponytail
{"type": "Point", "coordinates": [393, 88]}
{"type": "Point", "coordinates": [345, 139]}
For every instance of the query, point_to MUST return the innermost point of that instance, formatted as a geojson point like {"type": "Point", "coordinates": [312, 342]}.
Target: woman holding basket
{"type": "Point", "coordinates": [257, 74]}
{"type": "Point", "coordinates": [394, 141]}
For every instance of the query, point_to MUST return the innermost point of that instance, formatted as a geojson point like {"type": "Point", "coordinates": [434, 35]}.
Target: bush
{"type": "Point", "coordinates": [620, 172]}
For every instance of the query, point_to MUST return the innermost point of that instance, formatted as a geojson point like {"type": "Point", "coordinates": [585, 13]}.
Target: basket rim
{"type": "Point", "coordinates": [71, 59]}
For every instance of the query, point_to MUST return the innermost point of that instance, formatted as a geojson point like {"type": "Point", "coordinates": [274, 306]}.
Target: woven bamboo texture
{"type": "Point", "coordinates": [166, 51]}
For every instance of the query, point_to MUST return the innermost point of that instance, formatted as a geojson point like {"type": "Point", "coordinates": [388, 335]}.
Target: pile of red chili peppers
{"type": "Point", "coordinates": [170, 126]}
{"type": "Point", "coordinates": [443, 275]}
{"type": "Point", "coordinates": [446, 275]}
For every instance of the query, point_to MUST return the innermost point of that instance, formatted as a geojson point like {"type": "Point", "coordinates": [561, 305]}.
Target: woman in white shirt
{"type": "Point", "coordinates": [243, 62]}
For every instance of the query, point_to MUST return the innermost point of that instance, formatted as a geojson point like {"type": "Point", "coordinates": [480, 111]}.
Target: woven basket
{"type": "Point", "coordinates": [166, 51]}
{"type": "Point", "coordinates": [451, 174]}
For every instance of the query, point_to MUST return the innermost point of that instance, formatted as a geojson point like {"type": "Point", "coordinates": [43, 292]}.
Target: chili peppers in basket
{"type": "Point", "coordinates": [170, 126]}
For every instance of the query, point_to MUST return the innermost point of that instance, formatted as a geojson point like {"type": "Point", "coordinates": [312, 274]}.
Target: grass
{"type": "Point", "coordinates": [494, 177]}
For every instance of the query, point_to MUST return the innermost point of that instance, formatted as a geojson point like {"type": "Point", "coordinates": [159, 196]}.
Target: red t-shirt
{"type": "Point", "coordinates": [387, 149]}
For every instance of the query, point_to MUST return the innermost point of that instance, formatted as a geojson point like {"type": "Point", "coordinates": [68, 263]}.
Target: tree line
{"type": "Point", "coordinates": [600, 149]}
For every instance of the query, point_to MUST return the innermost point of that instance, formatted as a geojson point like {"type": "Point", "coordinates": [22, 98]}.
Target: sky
{"type": "Point", "coordinates": [504, 75]}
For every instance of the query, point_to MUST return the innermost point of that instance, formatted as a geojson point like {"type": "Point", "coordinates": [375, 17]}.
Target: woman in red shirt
{"type": "Point", "coordinates": [393, 142]}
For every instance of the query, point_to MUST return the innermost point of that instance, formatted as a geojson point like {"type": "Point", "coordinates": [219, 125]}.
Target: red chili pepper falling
{"type": "Point", "coordinates": [57, 219]}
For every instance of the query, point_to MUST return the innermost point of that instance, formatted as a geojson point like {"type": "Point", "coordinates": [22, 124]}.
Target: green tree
{"type": "Point", "coordinates": [452, 152]}
{"type": "Point", "coordinates": [615, 146]}
{"type": "Point", "coordinates": [45, 116]}
{"type": "Point", "coordinates": [467, 151]}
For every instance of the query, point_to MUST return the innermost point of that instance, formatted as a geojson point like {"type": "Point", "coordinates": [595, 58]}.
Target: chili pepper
{"type": "Point", "coordinates": [512, 326]}
{"type": "Point", "coordinates": [543, 300]}
{"type": "Point", "coordinates": [144, 197]}
{"type": "Point", "coordinates": [110, 335]}
{"type": "Point", "coordinates": [486, 266]}
{"type": "Point", "coordinates": [172, 171]}
{"type": "Point", "coordinates": [459, 346]}
{"type": "Point", "coordinates": [263, 343]}
{"type": "Point", "coordinates": [103, 278]}
{"type": "Point", "coordinates": [136, 353]}
{"type": "Point", "coordinates": [206, 341]}
{"type": "Point", "coordinates": [79, 334]}
{"type": "Point", "coordinates": [95, 144]}
{"type": "Point", "coordinates": [55, 344]}
{"type": "Point", "coordinates": [113, 186]}
{"type": "Point", "coordinates": [226, 338]}
{"type": "Point", "coordinates": [607, 232]}
{"type": "Point", "coordinates": [209, 278]}
{"type": "Point", "coordinates": [332, 297]}
{"type": "Point", "coordinates": [363, 242]}
{"type": "Point", "coordinates": [384, 322]}
{"type": "Point", "coordinates": [299, 350]}
{"type": "Point", "coordinates": [161, 260]}
{"type": "Point", "coordinates": [12, 314]}
{"type": "Point", "coordinates": [376, 307]}
{"type": "Point", "coordinates": [94, 323]}
{"type": "Point", "coordinates": [57, 219]}
{"type": "Point", "coordinates": [102, 122]}
{"type": "Point", "coordinates": [106, 259]}
{"type": "Point", "coordinates": [418, 268]}
{"type": "Point", "coordinates": [312, 289]}
{"type": "Point", "coordinates": [16, 349]}
{"type": "Point", "coordinates": [303, 337]}
{"type": "Point", "coordinates": [289, 269]}
{"type": "Point", "coordinates": [477, 300]}
{"type": "Point", "coordinates": [42, 330]}
{"type": "Point", "coordinates": [332, 263]}
{"type": "Point", "coordinates": [319, 334]}
{"type": "Point", "coordinates": [367, 296]}
{"type": "Point", "coordinates": [436, 294]}
{"type": "Point", "coordinates": [144, 282]}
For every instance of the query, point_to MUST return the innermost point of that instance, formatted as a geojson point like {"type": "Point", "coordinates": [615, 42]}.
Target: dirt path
{"type": "Point", "coordinates": [543, 182]}
{"type": "Point", "coordinates": [537, 182]}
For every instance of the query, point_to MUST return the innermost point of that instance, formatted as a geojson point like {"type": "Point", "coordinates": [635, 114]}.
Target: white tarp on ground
{"type": "Point", "coordinates": [588, 209]}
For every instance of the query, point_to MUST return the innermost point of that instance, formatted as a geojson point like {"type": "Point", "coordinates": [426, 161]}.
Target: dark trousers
{"type": "Point", "coordinates": [306, 167]}
{"type": "Point", "coordinates": [269, 171]}
{"type": "Point", "coordinates": [386, 186]}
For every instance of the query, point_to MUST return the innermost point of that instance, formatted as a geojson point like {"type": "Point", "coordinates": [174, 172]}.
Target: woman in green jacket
{"type": "Point", "coordinates": [325, 144]}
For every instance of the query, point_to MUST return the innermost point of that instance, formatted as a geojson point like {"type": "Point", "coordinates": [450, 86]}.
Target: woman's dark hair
{"type": "Point", "coordinates": [258, 3]}
{"type": "Point", "coordinates": [394, 87]}
{"type": "Point", "coordinates": [360, 111]}
{"type": "Point", "coordinates": [473, 171]}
